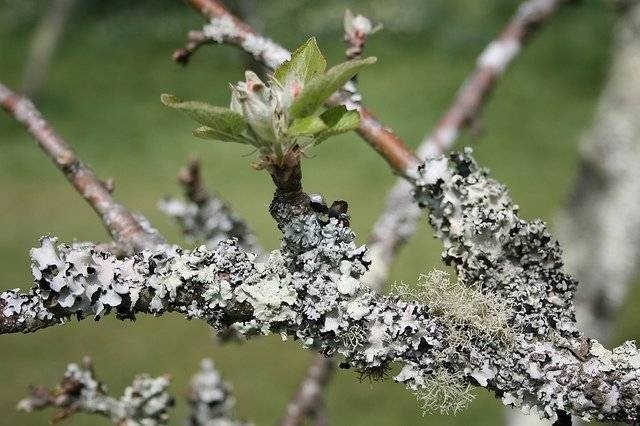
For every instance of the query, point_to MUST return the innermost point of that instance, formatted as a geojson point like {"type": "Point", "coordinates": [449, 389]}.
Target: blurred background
{"type": "Point", "coordinates": [102, 94]}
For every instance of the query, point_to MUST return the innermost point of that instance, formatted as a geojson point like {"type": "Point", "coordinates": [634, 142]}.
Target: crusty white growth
{"type": "Point", "coordinates": [210, 399]}
{"type": "Point", "coordinates": [499, 54]}
{"type": "Point", "coordinates": [305, 290]}
{"type": "Point", "coordinates": [144, 403]}
{"type": "Point", "coordinates": [599, 226]}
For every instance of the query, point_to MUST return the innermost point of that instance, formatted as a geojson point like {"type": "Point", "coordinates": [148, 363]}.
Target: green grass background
{"type": "Point", "coordinates": [102, 95]}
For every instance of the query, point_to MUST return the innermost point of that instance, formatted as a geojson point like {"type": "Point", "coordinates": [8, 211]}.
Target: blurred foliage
{"type": "Point", "coordinates": [103, 96]}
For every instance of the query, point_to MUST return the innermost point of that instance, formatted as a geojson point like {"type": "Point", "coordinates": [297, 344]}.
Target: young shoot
{"type": "Point", "coordinates": [283, 116]}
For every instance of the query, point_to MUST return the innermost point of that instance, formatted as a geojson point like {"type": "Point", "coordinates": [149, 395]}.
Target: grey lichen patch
{"type": "Point", "coordinates": [271, 294]}
{"type": "Point", "coordinates": [519, 263]}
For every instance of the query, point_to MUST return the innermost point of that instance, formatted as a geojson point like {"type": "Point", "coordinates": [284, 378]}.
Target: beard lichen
{"type": "Point", "coordinates": [444, 393]}
{"type": "Point", "coordinates": [470, 314]}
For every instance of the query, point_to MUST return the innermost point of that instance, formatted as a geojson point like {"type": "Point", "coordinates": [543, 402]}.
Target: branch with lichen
{"type": "Point", "coordinates": [599, 225]}
{"type": "Point", "coordinates": [130, 231]}
{"type": "Point", "coordinates": [309, 289]}
{"type": "Point", "coordinates": [144, 402]}
{"type": "Point", "coordinates": [513, 331]}
{"type": "Point", "coordinates": [203, 216]}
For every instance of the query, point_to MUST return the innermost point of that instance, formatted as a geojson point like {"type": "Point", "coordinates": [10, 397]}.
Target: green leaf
{"type": "Point", "coordinates": [210, 133]}
{"type": "Point", "coordinates": [306, 126]}
{"type": "Point", "coordinates": [318, 90]}
{"type": "Point", "coordinates": [219, 118]}
{"type": "Point", "coordinates": [338, 120]}
{"type": "Point", "coordinates": [306, 62]}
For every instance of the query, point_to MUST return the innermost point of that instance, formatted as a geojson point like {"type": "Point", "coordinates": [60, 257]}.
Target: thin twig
{"type": "Point", "coordinates": [195, 39]}
{"type": "Point", "coordinates": [491, 64]}
{"type": "Point", "coordinates": [308, 399]}
{"type": "Point", "coordinates": [129, 233]}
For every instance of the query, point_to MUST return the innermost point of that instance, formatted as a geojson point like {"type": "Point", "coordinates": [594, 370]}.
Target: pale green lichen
{"type": "Point", "coordinates": [444, 393]}
{"type": "Point", "coordinates": [471, 314]}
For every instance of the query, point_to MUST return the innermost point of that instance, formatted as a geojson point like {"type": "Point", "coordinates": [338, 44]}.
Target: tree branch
{"type": "Point", "coordinates": [210, 399]}
{"type": "Point", "coordinates": [491, 64]}
{"type": "Point", "coordinates": [398, 222]}
{"type": "Point", "coordinates": [195, 40]}
{"type": "Point", "coordinates": [308, 399]}
{"type": "Point", "coordinates": [130, 233]}
{"type": "Point", "coordinates": [508, 325]}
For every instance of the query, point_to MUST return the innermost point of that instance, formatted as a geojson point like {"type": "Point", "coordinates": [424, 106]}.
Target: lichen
{"type": "Point", "coordinates": [444, 393]}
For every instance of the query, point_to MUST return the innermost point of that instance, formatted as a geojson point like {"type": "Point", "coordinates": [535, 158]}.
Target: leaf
{"type": "Point", "coordinates": [306, 126]}
{"type": "Point", "coordinates": [210, 133]}
{"type": "Point", "coordinates": [318, 90]}
{"type": "Point", "coordinates": [338, 120]}
{"type": "Point", "coordinates": [215, 117]}
{"type": "Point", "coordinates": [306, 62]}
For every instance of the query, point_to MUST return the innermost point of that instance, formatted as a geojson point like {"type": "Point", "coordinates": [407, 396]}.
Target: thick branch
{"type": "Point", "coordinates": [600, 225]}
{"type": "Point", "coordinates": [130, 234]}
{"type": "Point", "coordinates": [224, 27]}
{"type": "Point", "coordinates": [508, 325]}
